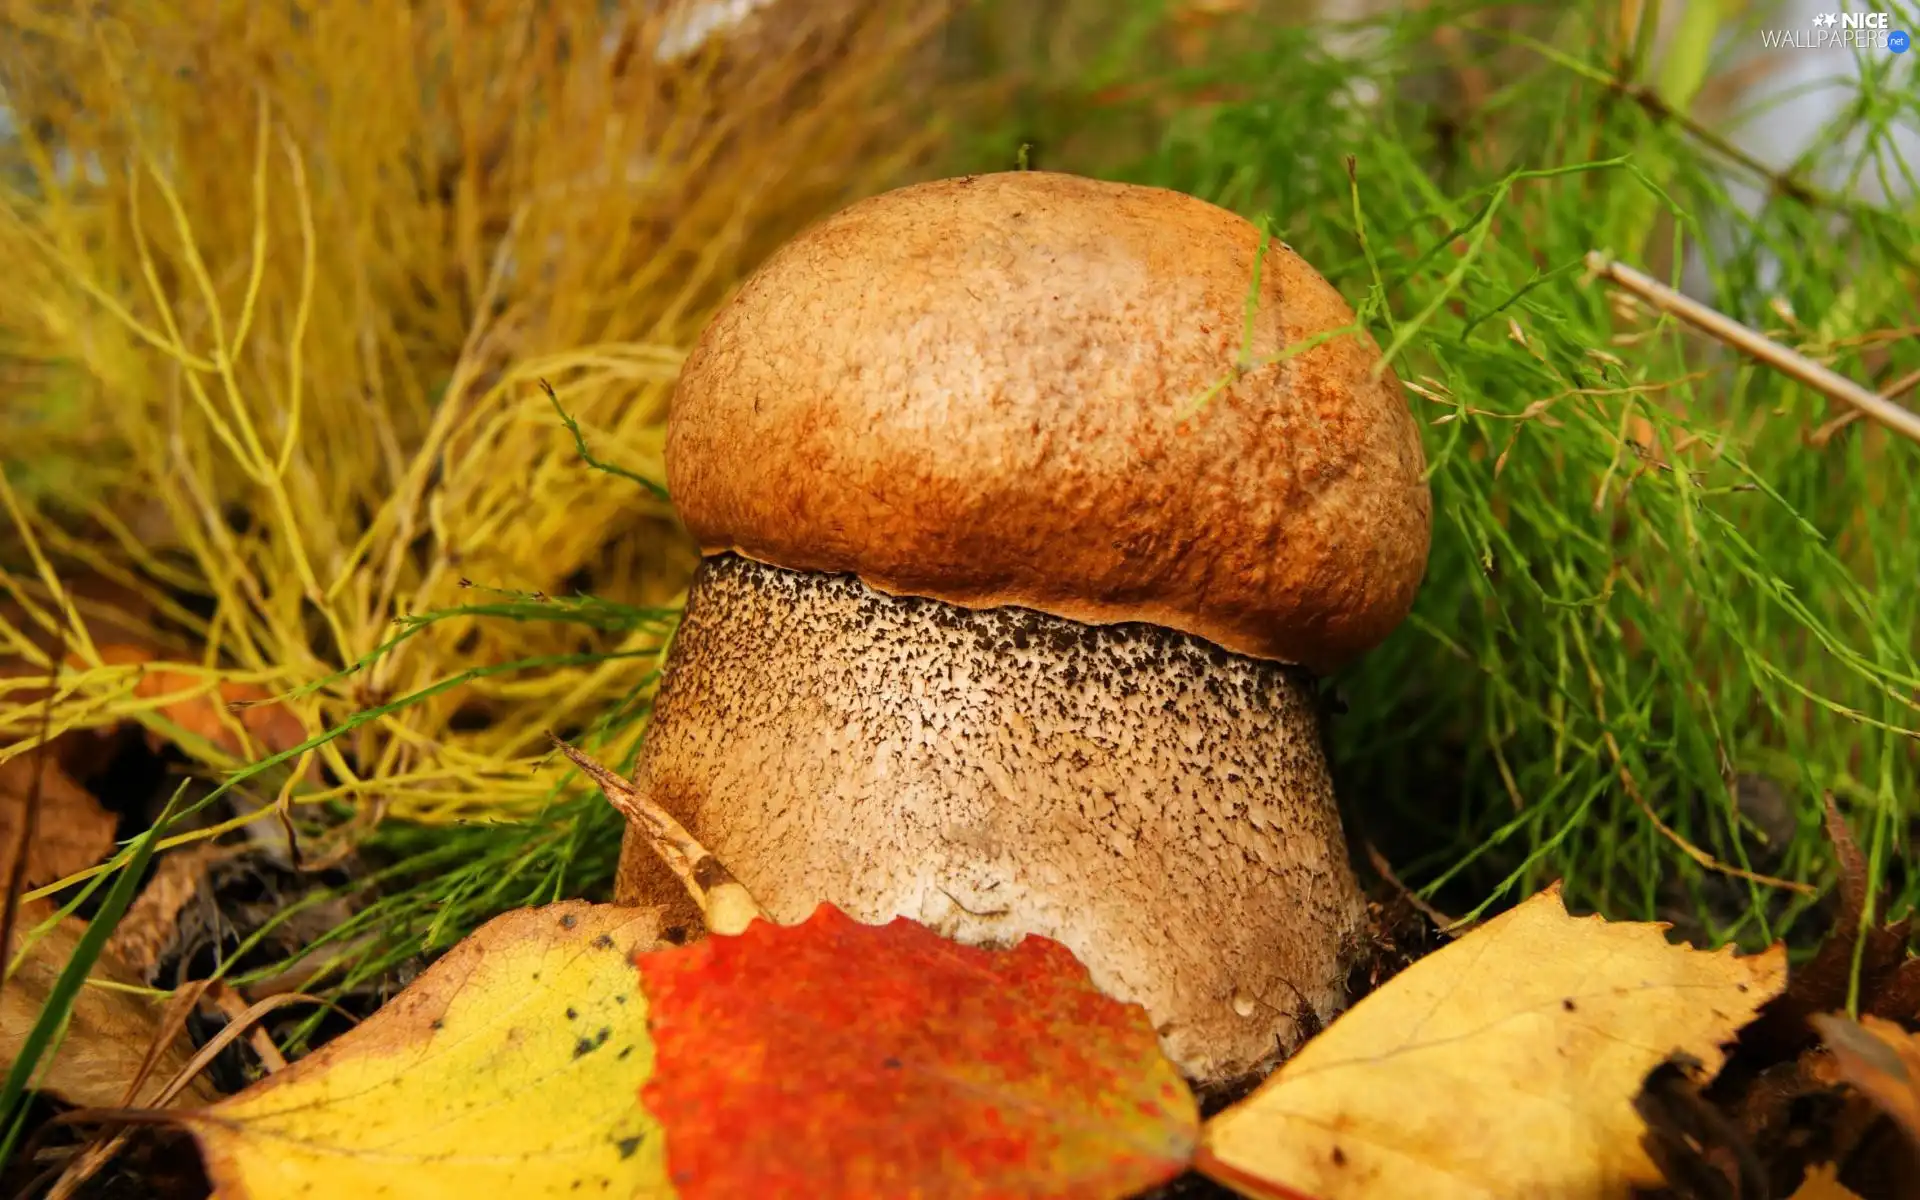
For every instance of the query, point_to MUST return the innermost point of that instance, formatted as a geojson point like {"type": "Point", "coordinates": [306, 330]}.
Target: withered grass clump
{"type": "Point", "coordinates": [281, 284]}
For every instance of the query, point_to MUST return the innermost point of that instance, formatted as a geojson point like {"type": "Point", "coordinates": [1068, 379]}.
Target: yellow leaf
{"type": "Point", "coordinates": [512, 1067]}
{"type": "Point", "coordinates": [1502, 1065]}
{"type": "Point", "coordinates": [1823, 1183]}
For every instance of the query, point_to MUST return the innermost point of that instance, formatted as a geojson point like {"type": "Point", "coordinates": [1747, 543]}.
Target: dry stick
{"type": "Point", "coordinates": [234, 1008]}
{"type": "Point", "coordinates": [1757, 345]}
{"type": "Point", "coordinates": [173, 1022]}
{"type": "Point", "coordinates": [108, 1142]}
{"type": "Point", "coordinates": [240, 1026]}
{"type": "Point", "coordinates": [95, 1155]}
{"type": "Point", "coordinates": [1892, 391]}
{"type": "Point", "coordinates": [724, 901]}
{"type": "Point", "coordinates": [1448, 926]}
{"type": "Point", "coordinates": [1660, 110]}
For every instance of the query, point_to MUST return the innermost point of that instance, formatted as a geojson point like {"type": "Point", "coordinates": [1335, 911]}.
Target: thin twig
{"type": "Point", "coordinates": [96, 1154]}
{"type": "Point", "coordinates": [1894, 391]}
{"type": "Point", "coordinates": [173, 1023]}
{"type": "Point", "coordinates": [1686, 847]}
{"type": "Point", "coordinates": [108, 1142]}
{"type": "Point", "coordinates": [234, 1008]}
{"type": "Point", "coordinates": [238, 1025]}
{"type": "Point", "coordinates": [1447, 926]}
{"type": "Point", "coordinates": [724, 901]}
{"type": "Point", "coordinates": [1660, 110]}
{"type": "Point", "coordinates": [1757, 345]}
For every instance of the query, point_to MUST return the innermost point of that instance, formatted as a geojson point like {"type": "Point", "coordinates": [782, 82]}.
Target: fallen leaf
{"type": "Point", "coordinates": [1897, 996]}
{"type": "Point", "coordinates": [1881, 1059]}
{"type": "Point", "coordinates": [71, 831]}
{"type": "Point", "coordinates": [1873, 957]}
{"type": "Point", "coordinates": [835, 1059]}
{"type": "Point", "coordinates": [1779, 1124]}
{"type": "Point", "coordinates": [226, 714]}
{"type": "Point", "coordinates": [1782, 1106]}
{"type": "Point", "coordinates": [151, 927]}
{"type": "Point", "coordinates": [542, 1058]}
{"type": "Point", "coordinates": [1823, 1183]}
{"type": "Point", "coordinates": [1504, 1064]}
{"type": "Point", "coordinates": [108, 1032]}
{"type": "Point", "coordinates": [511, 1067]}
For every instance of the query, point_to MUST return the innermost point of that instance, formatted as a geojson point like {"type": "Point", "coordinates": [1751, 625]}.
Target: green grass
{"type": "Point", "coordinates": [1613, 628]}
{"type": "Point", "coordinates": [1647, 580]}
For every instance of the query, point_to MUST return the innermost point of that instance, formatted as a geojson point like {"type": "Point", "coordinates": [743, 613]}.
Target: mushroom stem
{"type": "Point", "coordinates": [1157, 805]}
{"type": "Point", "coordinates": [725, 904]}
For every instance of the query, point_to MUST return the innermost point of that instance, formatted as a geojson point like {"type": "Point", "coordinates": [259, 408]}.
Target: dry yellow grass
{"type": "Point", "coordinates": [277, 297]}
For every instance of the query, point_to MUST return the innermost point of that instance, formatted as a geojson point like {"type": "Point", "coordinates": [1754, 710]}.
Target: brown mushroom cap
{"type": "Point", "coordinates": [1019, 389]}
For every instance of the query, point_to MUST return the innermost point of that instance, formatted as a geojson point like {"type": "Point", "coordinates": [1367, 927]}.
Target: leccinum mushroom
{"type": "Point", "coordinates": [1013, 590]}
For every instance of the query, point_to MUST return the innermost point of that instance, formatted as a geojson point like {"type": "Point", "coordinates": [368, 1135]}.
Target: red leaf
{"type": "Point", "coordinates": [837, 1059]}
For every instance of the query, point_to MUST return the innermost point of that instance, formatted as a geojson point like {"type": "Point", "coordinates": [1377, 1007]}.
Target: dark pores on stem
{"type": "Point", "coordinates": [1158, 805]}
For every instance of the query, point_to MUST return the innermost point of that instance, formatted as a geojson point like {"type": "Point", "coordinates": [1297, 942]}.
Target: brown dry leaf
{"type": "Point", "coordinates": [109, 1032]}
{"type": "Point", "coordinates": [220, 713]}
{"type": "Point", "coordinates": [1875, 957]}
{"type": "Point", "coordinates": [240, 708]}
{"type": "Point", "coordinates": [1770, 1110]}
{"type": "Point", "coordinates": [1897, 995]}
{"type": "Point", "coordinates": [1504, 1064]}
{"type": "Point", "coordinates": [1823, 1183]}
{"type": "Point", "coordinates": [71, 831]}
{"type": "Point", "coordinates": [1881, 1059]}
{"type": "Point", "coordinates": [1696, 1147]}
{"type": "Point", "coordinates": [151, 926]}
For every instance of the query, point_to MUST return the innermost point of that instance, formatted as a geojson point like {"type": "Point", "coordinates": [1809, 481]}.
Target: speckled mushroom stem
{"type": "Point", "coordinates": [1156, 804]}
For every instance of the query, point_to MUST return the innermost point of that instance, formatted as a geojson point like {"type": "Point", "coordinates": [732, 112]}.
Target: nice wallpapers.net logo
{"type": "Point", "coordinates": [1845, 31]}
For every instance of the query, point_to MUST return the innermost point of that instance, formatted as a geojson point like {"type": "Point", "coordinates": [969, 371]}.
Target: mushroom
{"type": "Point", "coordinates": [1026, 524]}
